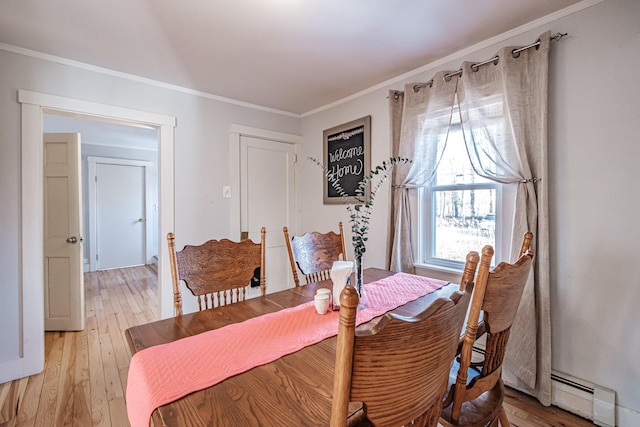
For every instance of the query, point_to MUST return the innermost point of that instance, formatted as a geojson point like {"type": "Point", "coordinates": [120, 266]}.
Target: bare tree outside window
{"type": "Point", "coordinates": [462, 207]}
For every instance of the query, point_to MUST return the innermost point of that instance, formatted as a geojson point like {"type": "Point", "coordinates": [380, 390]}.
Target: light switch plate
{"type": "Point", "coordinates": [226, 192]}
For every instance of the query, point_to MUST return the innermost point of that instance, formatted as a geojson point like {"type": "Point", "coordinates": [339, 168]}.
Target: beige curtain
{"type": "Point", "coordinates": [503, 110]}
{"type": "Point", "coordinates": [423, 120]}
{"type": "Point", "coordinates": [396, 103]}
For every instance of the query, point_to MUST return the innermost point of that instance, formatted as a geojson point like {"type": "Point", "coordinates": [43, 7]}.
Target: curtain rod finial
{"type": "Point", "coordinates": [558, 36]}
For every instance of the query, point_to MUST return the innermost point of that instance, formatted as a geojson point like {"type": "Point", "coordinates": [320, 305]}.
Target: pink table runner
{"type": "Point", "coordinates": [164, 373]}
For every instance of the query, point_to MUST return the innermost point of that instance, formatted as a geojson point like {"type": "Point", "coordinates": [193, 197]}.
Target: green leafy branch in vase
{"type": "Point", "coordinates": [360, 212]}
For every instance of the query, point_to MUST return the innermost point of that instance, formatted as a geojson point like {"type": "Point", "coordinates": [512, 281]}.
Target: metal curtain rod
{"type": "Point", "coordinates": [474, 67]}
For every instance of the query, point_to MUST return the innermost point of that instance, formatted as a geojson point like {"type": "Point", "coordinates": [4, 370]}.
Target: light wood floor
{"type": "Point", "coordinates": [85, 373]}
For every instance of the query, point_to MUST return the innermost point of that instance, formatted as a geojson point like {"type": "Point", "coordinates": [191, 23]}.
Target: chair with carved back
{"type": "Point", "coordinates": [475, 396]}
{"type": "Point", "coordinates": [526, 245]}
{"type": "Point", "coordinates": [314, 253]}
{"type": "Point", "coordinates": [397, 367]}
{"type": "Point", "coordinates": [217, 272]}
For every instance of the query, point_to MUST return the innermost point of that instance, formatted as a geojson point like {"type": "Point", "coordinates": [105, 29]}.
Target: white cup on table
{"type": "Point", "coordinates": [324, 291]}
{"type": "Point", "coordinates": [321, 301]}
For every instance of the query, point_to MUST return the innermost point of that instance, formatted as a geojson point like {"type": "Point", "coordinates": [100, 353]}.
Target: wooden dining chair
{"type": "Point", "coordinates": [527, 238]}
{"type": "Point", "coordinates": [217, 271]}
{"type": "Point", "coordinates": [475, 396]}
{"type": "Point", "coordinates": [314, 253]}
{"type": "Point", "coordinates": [399, 367]}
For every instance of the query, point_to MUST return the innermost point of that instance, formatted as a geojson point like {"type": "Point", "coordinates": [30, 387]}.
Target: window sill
{"type": "Point", "coordinates": [438, 272]}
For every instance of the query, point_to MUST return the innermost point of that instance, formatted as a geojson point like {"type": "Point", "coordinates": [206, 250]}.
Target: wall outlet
{"type": "Point", "coordinates": [226, 192]}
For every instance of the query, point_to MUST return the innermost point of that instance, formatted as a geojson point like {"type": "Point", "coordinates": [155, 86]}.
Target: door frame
{"type": "Point", "coordinates": [235, 132]}
{"type": "Point", "coordinates": [93, 161]}
{"type": "Point", "coordinates": [30, 358]}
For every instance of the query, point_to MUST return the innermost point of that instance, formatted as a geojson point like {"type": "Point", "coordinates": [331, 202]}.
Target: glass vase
{"type": "Point", "coordinates": [359, 281]}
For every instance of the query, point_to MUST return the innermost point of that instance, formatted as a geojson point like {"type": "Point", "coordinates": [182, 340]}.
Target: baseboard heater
{"type": "Point", "coordinates": [580, 397]}
{"type": "Point", "coordinates": [570, 383]}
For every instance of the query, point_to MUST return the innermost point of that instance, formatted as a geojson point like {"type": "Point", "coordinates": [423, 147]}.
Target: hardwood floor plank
{"type": "Point", "coordinates": [118, 345]}
{"type": "Point", "coordinates": [124, 315]}
{"type": "Point", "coordinates": [118, 412]}
{"type": "Point", "coordinates": [49, 393]}
{"type": "Point", "coordinates": [28, 405]}
{"type": "Point", "coordinates": [110, 368]}
{"type": "Point", "coordinates": [99, 403]}
{"type": "Point", "coordinates": [64, 405]}
{"type": "Point", "coordinates": [99, 313]}
{"type": "Point", "coordinates": [529, 412]}
{"type": "Point", "coordinates": [132, 301]}
{"type": "Point", "coordinates": [8, 401]}
{"type": "Point", "coordinates": [89, 309]}
{"type": "Point", "coordinates": [81, 404]}
{"type": "Point", "coordinates": [123, 378]}
{"type": "Point", "coordinates": [82, 385]}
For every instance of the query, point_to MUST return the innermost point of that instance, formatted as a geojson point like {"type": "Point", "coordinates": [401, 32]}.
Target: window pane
{"type": "Point", "coordinates": [464, 220]}
{"type": "Point", "coordinates": [455, 167]}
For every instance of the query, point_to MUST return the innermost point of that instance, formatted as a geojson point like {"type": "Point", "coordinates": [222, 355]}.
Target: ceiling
{"type": "Point", "coordinates": [289, 55]}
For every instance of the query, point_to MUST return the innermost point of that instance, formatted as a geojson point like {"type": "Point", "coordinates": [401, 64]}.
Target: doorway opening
{"type": "Point", "coordinates": [33, 106]}
{"type": "Point", "coordinates": [125, 154]}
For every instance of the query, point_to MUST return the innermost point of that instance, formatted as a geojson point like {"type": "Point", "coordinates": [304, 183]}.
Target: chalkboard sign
{"type": "Point", "coordinates": [347, 155]}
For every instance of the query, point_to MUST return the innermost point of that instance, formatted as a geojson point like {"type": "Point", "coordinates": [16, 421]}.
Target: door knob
{"type": "Point", "coordinates": [72, 239]}
{"type": "Point", "coordinates": [140, 219]}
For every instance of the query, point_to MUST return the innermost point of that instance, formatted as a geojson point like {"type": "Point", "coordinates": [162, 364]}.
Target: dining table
{"type": "Point", "coordinates": [293, 390]}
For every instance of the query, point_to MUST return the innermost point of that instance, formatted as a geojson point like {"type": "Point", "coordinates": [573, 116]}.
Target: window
{"type": "Point", "coordinates": [460, 210]}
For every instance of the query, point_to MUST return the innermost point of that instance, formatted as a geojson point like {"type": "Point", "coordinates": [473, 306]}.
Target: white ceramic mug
{"type": "Point", "coordinates": [321, 302]}
{"type": "Point", "coordinates": [323, 291]}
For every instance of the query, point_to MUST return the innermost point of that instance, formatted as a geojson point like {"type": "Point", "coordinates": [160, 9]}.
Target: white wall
{"type": "Point", "coordinates": [317, 216]}
{"type": "Point", "coordinates": [594, 210]}
{"type": "Point", "coordinates": [201, 157]}
{"type": "Point", "coordinates": [594, 150]}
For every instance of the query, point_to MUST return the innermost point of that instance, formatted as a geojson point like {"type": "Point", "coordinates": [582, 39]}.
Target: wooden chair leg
{"type": "Point", "coordinates": [502, 417]}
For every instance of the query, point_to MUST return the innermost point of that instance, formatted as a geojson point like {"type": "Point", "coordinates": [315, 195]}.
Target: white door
{"type": "Point", "coordinates": [63, 267]}
{"type": "Point", "coordinates": [120, 215]}
{"type": "Point", "coordinates": [267, 194]}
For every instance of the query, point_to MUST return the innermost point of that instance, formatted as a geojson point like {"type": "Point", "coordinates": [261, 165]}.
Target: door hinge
{"type": "Point", "coordinates": [295, 158]}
